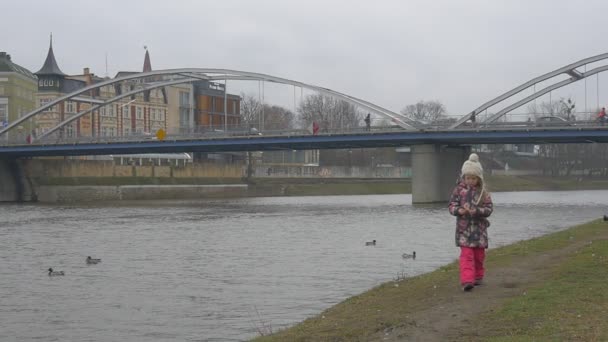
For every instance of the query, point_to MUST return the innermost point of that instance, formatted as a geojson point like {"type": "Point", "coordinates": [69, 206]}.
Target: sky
{"type": "Point", "coordinates": [392, 53]}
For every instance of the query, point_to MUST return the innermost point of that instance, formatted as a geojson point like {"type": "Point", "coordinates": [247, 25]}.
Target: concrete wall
{"type": "Point", "coordinates": [60, 168]}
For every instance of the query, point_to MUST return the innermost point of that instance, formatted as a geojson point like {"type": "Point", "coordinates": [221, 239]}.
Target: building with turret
{"type": "Point", "coordinates": [188, 108]}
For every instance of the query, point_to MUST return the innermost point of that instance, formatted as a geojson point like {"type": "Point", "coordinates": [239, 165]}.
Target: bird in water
{"type": "Point", "coordinates": [55, 273]}
{"type": "Point", "coordinates": [92, 261]}
{"type": "Point", "coordinates": [371, 243]}
{"type": "Point", "coordinates": [409, 256]}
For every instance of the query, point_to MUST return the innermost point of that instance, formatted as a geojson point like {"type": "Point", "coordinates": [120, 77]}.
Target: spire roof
{"type": "Point", "coordinates": [50, 66]}
{"type": "Point", "coordinates": [147, 64]}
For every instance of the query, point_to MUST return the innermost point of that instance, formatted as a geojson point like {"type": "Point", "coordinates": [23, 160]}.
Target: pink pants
{"type": "Point", "coordinates": [471, 264]}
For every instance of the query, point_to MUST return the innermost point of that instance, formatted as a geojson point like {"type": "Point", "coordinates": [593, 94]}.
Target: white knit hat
{"type": "Point", "coordinates": [472, 166]}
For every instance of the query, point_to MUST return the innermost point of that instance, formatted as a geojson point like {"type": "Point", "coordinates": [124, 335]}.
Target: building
{"type": "Point", "coordinates": [210, 99]}
{"type": "Point", "coordinates": [195, 107]}
{"type": "Point", "coordinates": [139, 114]}
{"type": "Point", "coordinates": [17, 88]}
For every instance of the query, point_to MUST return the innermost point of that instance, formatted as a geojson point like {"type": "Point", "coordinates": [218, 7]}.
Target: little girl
{"type": "Point", "coordinates": [471, 204]}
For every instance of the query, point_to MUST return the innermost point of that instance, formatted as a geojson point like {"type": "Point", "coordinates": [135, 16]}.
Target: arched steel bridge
{"type": "Point", "coordinates": [569, 70]}
{"type": "Point", "coordinates": [188, 75]}
{"type": "Point", "coordinates": [181, 76]}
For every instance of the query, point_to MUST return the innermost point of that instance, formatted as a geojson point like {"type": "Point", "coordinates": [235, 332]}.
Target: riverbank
{"type": "Point", "coordinates": [549, 288]}
{"type": "Point", "coordinates": [85, 188]}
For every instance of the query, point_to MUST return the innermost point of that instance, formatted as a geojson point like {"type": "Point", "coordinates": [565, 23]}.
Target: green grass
{"type": "Point", "coordinates": [570, 305]}
{"type": "Point", "coordinates": [114, 181]}
{"type": "Point", "coordinates": [569, 301]}
{"type": "Point", "coordinates": [335, 186]}
{"type": "Point", "coordinates": [539, 183]}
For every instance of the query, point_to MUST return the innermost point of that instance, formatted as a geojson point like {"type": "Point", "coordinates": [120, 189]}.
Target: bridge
{"type": "Point", "coordinates": [437, 151]}
{"type": "Point", "coordinates": [289, 141]}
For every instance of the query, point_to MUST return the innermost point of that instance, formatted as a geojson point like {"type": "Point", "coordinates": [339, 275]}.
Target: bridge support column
{"type": "Point", "coordinates": [14, 184]}
{"type": "Point", "coordinates": [435, 169]}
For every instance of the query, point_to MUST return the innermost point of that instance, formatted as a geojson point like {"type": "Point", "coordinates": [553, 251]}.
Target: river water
{"type": "Point", "coordinates": [219, 270]}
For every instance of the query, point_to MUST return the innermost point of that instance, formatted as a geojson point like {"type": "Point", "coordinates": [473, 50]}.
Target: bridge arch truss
{"type": "Point", "coordinates": [188, 75]}
{"type": "Point", "coordinates": [569, 70]}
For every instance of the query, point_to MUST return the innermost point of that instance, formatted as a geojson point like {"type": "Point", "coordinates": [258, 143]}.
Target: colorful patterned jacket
{"type": "Point", "coordinates": [471, 231]}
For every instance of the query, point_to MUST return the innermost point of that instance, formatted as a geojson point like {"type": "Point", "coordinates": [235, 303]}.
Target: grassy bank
{"type": "Point", "coordinates": [559, 293]}
{"type": "Point", "coordinates": [346, 186]}
{"type": "Point", "coordinates": [115, 181]}
{"type": "Point", "coordinates": [336, 186]}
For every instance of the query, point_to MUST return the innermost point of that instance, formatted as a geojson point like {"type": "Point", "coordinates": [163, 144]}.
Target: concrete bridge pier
{"type": "Point", "coordinates": [435, 169]}
{"type": "Point", "coordinates": [15, 186]}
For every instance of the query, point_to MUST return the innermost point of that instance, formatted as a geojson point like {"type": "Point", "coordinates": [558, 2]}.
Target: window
{"type": "Point", "coordinates": [184, 99]}
{"type": "Point", "coordinates": [1, 90]}
{"type": "Point", "coordinates": [184, 117]}
{"type": "Point", "coordinates": [70, 107]}
{"type": "Point", "coordinates": [4, 112]}
{"type": "Point", "coordinates": [104, 131]}
{"type": "Point", "coordinates": [125, 111]}
{"type": "Point", "coordinates": [69, 130]}
{"type": "Point", "coordinates": [139, 113]}
{"type": "Point", "coordinates": [126, 131]}
{"type": "Point", "coordinates": [102, 111]}
{"type": "Point", "coordinates": [44, 102]}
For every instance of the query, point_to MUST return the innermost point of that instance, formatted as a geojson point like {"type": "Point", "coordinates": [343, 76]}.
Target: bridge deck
{"type": "Point", "coordinates": [530, 135]}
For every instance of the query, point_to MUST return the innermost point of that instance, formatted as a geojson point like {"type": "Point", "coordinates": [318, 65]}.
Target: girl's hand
{"type": "Point", "coordinates": [473, 211]}
{"type": "Point", "coordinates": [462, 211]}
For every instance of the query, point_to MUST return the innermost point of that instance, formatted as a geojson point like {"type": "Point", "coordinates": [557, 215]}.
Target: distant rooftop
{"type": "Point", "coordinates": [6, 65]}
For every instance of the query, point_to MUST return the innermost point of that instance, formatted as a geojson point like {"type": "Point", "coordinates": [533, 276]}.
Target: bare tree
{"type": "Point", "coordinates": [251, 109]}
{"type": "Point", "coordinates": [331, 114]}
{"type": "Point", "coordinates": [277, 118]}
{"type": "Point", "coordinates": [562, 108]}
{"type": "Point", "coordinates": [425, 111]}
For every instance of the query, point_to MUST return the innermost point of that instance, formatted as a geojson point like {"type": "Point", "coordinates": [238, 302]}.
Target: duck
{"type": "Point", "coordinates": [92, 261]}
{"type": "Point", "coordinates": [605, 217]}
{"type": "Point", "coordinates": [55, 273]}
{"type": "Point", "coordinates": [409, 256]}
{"type": "Point", "coordinates": [371, 243]}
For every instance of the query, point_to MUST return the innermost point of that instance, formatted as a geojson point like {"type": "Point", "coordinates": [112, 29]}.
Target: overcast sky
{"type": "Point", "coordinates": [391, 53]}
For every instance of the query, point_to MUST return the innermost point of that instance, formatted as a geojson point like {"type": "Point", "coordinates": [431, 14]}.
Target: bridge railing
{"type": "Point", "coordinates": [511, 122]}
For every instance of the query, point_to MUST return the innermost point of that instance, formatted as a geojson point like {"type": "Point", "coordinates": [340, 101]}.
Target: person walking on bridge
{"type": "Point", "coordinates": [601, 116]}
{"type": "Point", "coordinates": [472, 205]}
{"type": "Point", "coordinates": [368, 122]}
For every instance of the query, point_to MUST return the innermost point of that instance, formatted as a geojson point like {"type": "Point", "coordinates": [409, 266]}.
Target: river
{"type": "Point", "coordinates": [219, 270]}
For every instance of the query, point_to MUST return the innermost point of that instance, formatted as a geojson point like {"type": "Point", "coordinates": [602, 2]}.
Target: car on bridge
{"type": "Point", "coordinates": [552, 121]}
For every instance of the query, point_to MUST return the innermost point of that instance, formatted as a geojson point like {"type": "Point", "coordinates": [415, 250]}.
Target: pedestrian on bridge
{"type": "Point", "coordinates": [601, 116]}
{"type": "Point", "coordinates": [472, 205]}
{"type": "Point", "coordinates": [368, 122]}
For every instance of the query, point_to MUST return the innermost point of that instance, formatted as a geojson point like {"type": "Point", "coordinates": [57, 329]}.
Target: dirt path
{"type": "Point", "coordinates": [449, 313]}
